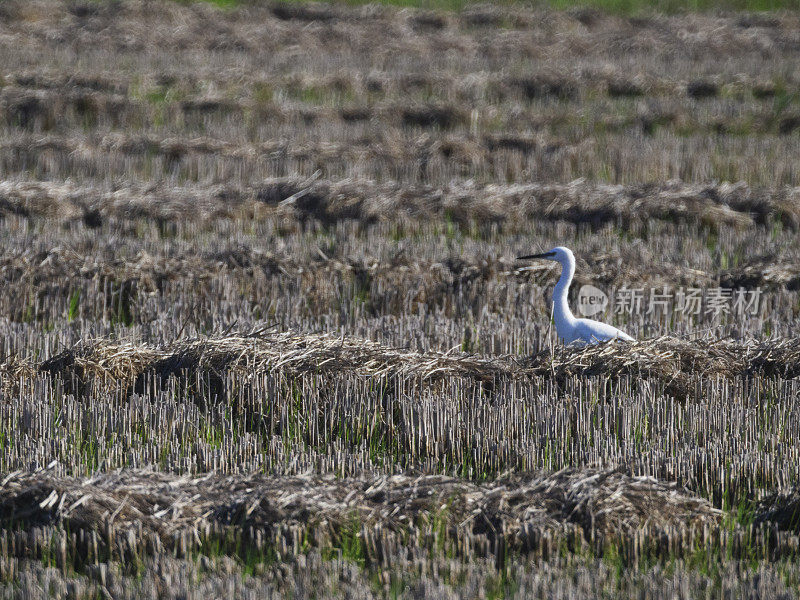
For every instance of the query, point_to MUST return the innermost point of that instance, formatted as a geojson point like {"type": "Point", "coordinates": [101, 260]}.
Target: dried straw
{"type": "Point", "coordinates": [520, 510]}
{"type": "Point", "coordinates": [673, 362]}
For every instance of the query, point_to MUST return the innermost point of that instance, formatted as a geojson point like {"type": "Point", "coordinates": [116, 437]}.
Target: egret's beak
{"type": "Point", "coordinates": [542, 255]}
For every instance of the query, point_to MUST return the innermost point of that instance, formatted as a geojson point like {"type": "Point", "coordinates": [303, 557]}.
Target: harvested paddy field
{"type": "Point", "coordinates": [263, 333]}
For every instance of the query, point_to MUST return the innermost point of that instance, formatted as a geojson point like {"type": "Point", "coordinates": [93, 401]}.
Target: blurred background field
{"type": "Point", "coordinates": [262, 333]}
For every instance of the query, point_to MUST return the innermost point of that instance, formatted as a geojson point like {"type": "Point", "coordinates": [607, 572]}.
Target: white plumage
{"type": "Point", "coordinates": [569, 329]}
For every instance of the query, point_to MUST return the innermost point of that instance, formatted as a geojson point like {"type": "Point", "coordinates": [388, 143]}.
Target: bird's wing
{"type": "Point", "coordinates": [595, 331]}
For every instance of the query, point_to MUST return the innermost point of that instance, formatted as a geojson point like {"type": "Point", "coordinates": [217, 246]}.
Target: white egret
{"type": "Point", "coordinates": [569, 329]}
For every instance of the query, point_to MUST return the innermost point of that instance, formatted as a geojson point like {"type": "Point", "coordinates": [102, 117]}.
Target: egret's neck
{"type": "Point", "coordinates": [561, 311]}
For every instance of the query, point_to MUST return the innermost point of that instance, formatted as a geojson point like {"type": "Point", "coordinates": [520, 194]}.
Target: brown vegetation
{"type": "Point", "coordinates": [672, 362]}
{"type": "Point", "coordinates": [144, 512]}
{"type": "Point", "coordinates": [263, 333]}
{"type": "Point", "coordinates": [327, 202]}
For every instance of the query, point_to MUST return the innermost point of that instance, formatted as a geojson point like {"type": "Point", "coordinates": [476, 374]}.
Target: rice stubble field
{"type": "Point", "coordinates": [263, 334]}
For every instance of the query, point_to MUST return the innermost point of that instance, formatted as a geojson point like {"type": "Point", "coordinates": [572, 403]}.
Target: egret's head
{"type": "Point", "coordinates": [558, 254]}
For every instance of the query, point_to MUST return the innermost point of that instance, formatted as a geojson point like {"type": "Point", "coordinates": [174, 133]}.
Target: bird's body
{"type": "Point", "coordinates": [569, 329]}
{"type": "Point", "coordinates": [587, 331]}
